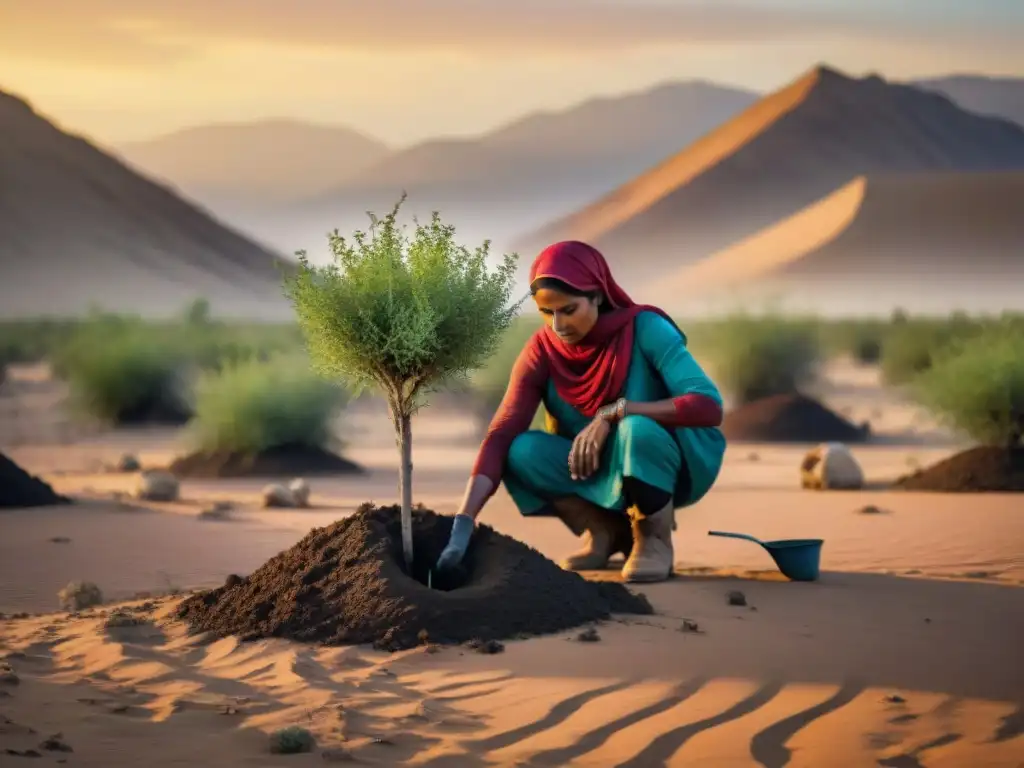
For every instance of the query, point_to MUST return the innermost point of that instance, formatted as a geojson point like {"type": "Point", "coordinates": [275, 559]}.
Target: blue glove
{"type": "Point", "coordinates": [458, 541]}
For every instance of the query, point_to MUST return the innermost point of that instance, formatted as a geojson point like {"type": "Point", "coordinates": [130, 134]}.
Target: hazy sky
{"type": "Point", "coordinates": [407, 69]}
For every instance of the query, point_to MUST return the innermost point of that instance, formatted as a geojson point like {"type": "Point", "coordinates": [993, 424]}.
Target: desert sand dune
{"type": "Point", "coordinates": [920, 237]}
{"type": "Point", "coordinates": [780, 155]}
{"type": "Point", "coordinates": [906, 653]}
{"type": "Point", "coordinates": [78, 228]}
{"type": "Point", "coordinates": [859, 670]}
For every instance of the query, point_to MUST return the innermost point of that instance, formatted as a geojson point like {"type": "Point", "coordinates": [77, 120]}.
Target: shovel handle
{"type": "Point", "coordinates": [728, 535]}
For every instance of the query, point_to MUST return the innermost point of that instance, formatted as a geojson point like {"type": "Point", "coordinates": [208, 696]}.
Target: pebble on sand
{"type": "Point", "coordinates": [735, 597]}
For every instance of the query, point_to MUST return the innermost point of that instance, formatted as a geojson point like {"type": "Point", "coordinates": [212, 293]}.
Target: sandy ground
{"type": "Point", "coordinates": [906, 653]}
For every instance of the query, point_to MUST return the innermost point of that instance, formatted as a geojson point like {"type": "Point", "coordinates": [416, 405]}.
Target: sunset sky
{"type": "Point", "coordinates": [403, 70]}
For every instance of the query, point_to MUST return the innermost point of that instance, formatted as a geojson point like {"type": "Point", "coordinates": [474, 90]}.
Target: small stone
{"type": "Point", "coordinates": [300, 492]}
{"type": "Point", "coordinates": [60, 540]}
{"type": "Point", "coordinates": [128, 463]}
{"type": "Point", "coordinates": [157, 485]}
{"type": "Point", "coordinates": [690, 626]}
{"type": "Point", "coordinates": [735, 597]}
{"type": "Point", "coordinates": [589, 636]}
{"type": "Point", "coordinates": [216, 512]}
{"type": "Point", "coordinates": [870, 509]}
{"type": "Point", "coordinates": [486, 646]}
{"type": "Point", "coordinates": [894, 698]}
{"type": "Point", "coordinates": [55, 743]}
{"type": "Point", "coordinates": [276, 495]}
{"type": "Point", "coordinates": [232, 581]}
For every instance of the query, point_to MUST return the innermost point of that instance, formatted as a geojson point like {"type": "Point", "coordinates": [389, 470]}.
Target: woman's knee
{"type": "Point", "coordinates": [642, 429]}
{"type": "Point", "coordinates": [647, 447]}
{"type": "Point", "coordinates": [528, 448]}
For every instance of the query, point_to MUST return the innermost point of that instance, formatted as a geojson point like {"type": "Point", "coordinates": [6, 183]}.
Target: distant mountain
{"type": "Point", "coordinates": [785, 152]}
{"type": "Point", "coordinates": [78, 228]}
{"type": "Point", "coordinates": [992, 96]}
{"type": "Point", "coordinates": [927, 242]}
{"type": "Point", "coordinates": [547, 162]}
{"type": "Point", "coordinates": [255, 163]}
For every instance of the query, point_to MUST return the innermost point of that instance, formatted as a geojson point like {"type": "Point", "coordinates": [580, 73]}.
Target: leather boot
{"type": "Point", "coordinates": [652, 557]}
{"type": "Point", "coordinates": [604, 534]}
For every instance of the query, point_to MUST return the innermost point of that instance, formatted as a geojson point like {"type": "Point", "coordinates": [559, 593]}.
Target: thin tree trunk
{"type": "Point", "coordinates": [403, 424]}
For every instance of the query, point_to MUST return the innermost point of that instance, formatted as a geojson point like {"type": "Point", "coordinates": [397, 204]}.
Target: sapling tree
{"type": "Point", "coordinates": [403, 314]}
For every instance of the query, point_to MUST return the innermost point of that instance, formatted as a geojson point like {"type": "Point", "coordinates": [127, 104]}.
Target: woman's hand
{"type": "Point", "coordinates": [458, 542]}
{"type": "Point", "coordinates": [585, 454]}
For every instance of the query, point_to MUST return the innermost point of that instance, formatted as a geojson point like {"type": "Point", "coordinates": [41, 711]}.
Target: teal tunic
{"type": "Point", "coordinates": [683, 461]}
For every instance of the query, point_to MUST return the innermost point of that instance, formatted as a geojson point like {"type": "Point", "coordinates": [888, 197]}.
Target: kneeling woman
{"type": "Point", "coordinates": [632, 422]}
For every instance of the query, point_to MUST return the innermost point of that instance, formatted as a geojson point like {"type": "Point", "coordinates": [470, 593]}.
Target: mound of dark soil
{"type": "Point", "coordinates": [20, 489]}
{"type": "Point", "coordinates": [790, 419]}
{"type": "Point", "coordinates": [283, 461]}
{"type": "Point", "coordinates": [347, 584]}
{"type": "Point", "coordinates": [979, 469]}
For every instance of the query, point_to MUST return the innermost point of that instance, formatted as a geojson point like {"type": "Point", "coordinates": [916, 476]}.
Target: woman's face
{"type": "Point", "coordinates": [570, 317]}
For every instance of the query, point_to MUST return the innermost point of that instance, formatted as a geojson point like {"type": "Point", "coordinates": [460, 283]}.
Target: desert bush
{"type": "Point", "coordinates": [251, 407]}
{"type": "Point", "coordinates": [862, 339]}
{"type": "Point", "coordinates": [913, 344]}
{"type": "Point", "coordinates": [977, 386]}
{"type": "Point", "coordinates": [758, 356]}
{"type": "Point", "coordinates": [121, 618]}
{"type": "Point", "coordinates": [128, 377]}
{"type": "Point", "coordinates": [79, 595]}
{"type": "Point", "coordinates": [292, 741]}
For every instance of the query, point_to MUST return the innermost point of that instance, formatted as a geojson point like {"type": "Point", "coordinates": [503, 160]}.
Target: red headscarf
{"type": "Point", "coordinates": [593, 372]}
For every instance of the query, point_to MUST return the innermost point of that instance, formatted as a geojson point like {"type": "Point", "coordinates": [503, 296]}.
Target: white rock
{"type": "Point", "coordinates": [128, 463]}
{"type": "Point", "coordinates": [276, 495]}
{"type": "Point", "coordinates": [300, 492]}
{"type": "Point", "coordinates": [157, 485]}
{"type": "Point", "coordinates": [831, 466]}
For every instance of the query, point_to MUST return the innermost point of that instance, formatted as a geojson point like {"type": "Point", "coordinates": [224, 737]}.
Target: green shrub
{"type": "Point", "coordinates": [127, 378]}
{"type": "Point", "coordinates": [80, 595]}
{"type": "Point", "coordinates": [292, 740]}
{"type": "Point", "coordinates": [252, 407]}
{"type": "Point", "coordinates": [977, 385]}
{"type": "Point", "coordinates": [912, 345]}
{"type": "Point", "coordinates": [754, 357]}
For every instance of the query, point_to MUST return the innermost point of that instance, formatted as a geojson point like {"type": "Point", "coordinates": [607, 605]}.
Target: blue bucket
{"type": "Point", "coordinates": [797, 559]}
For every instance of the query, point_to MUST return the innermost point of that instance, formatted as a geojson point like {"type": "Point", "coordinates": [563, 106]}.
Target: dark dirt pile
{"type": "Point", "coordinates": [347, 584]}
{"type": "Point", "coordinates": [978, 469]}
{"type": "Point", "coordinates": [282, 461]}
{"type": "Point", "coordinates": [790, 419]}
{"type": "Point", "coordinates": [20, 489]}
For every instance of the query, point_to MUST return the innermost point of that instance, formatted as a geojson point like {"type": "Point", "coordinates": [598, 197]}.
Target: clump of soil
{"type": "Point", "coordinates": [347, 584]}
{"type": "Point", "coordinates": [20, 489]}
{"type": "Point", "coordinates": [790, 418]}
{"type": "Point", "coordinates": [284, 460]}
{"type": "Point", "coordinates": [985, 468]}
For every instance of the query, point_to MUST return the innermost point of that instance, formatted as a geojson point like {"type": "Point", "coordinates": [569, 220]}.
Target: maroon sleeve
{"type": "Point", "coordinates": [515, 414]}
{"type": "Point", "coordinates": [696, 410]}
